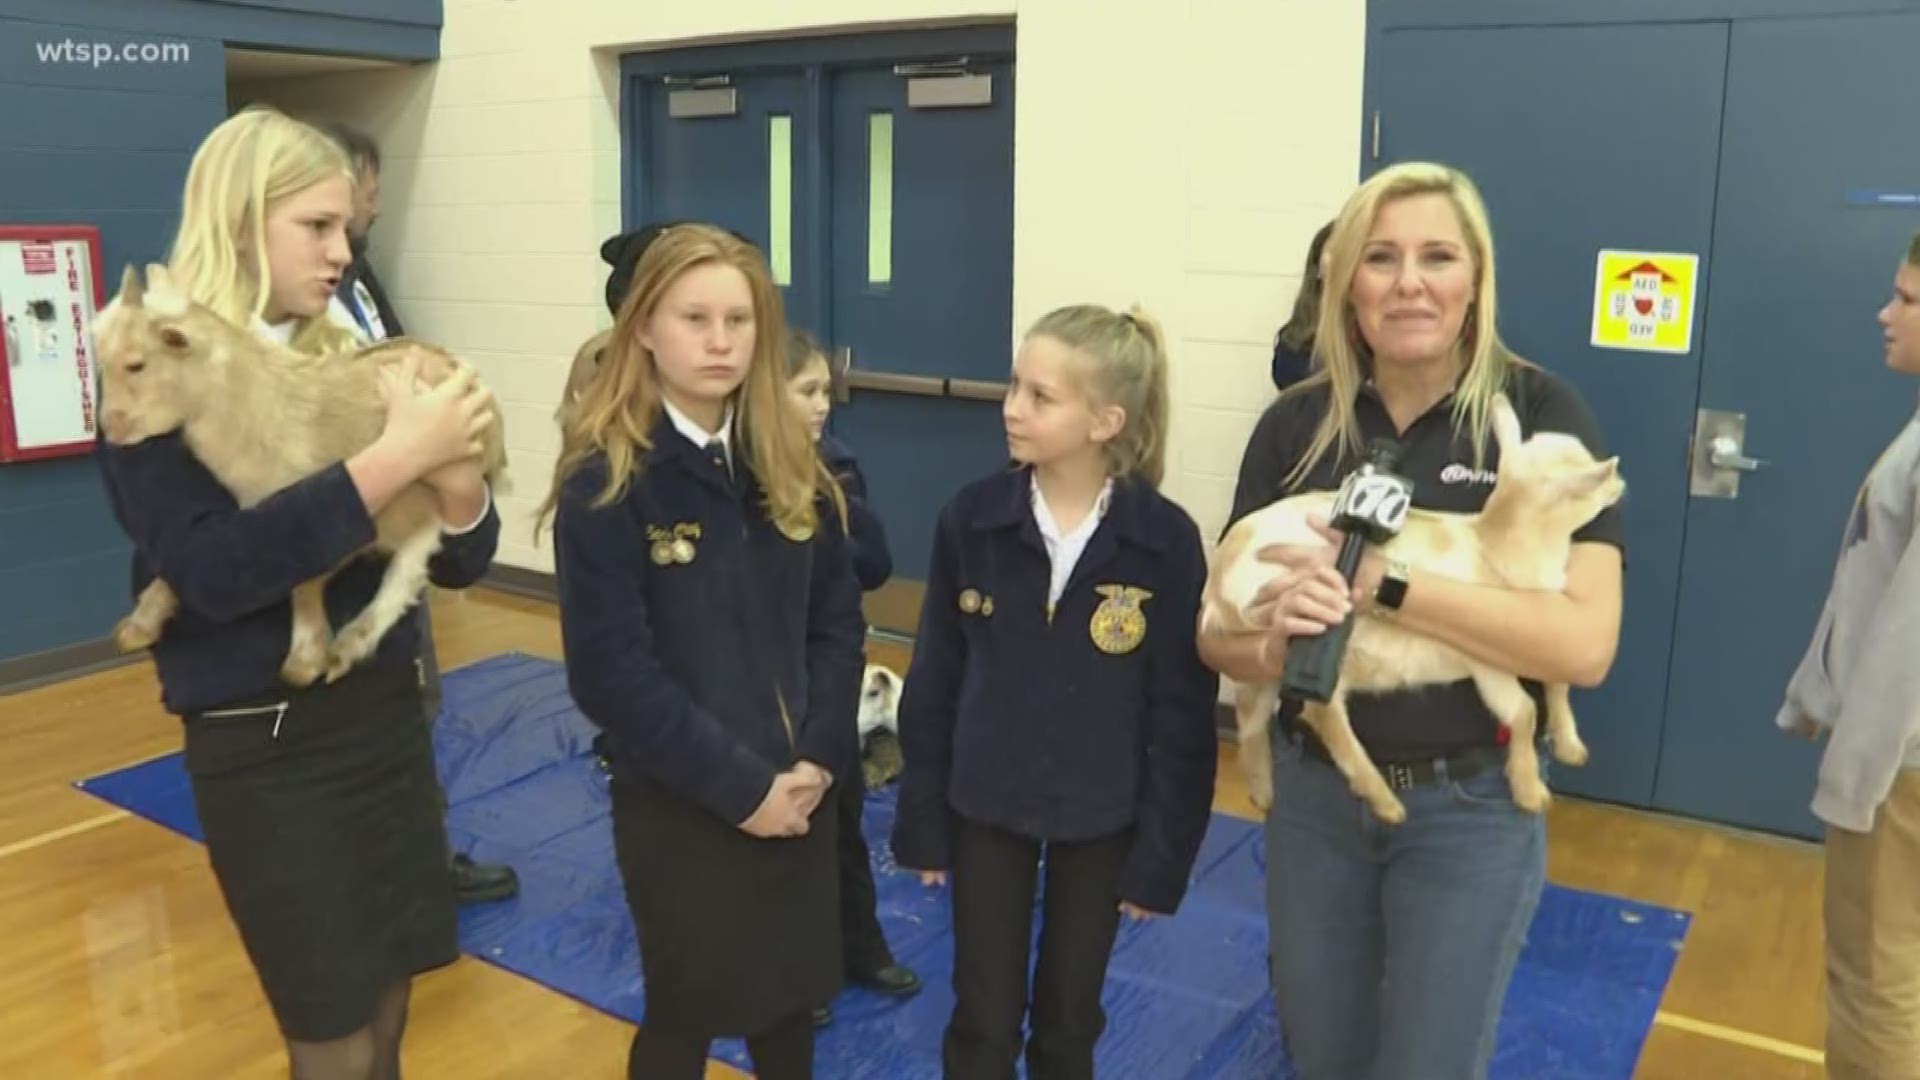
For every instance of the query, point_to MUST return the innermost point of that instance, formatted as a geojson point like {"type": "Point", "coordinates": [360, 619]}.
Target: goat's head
{"type": "Point", "coordinates": [156, 350]}
{"type": "Point", "coordinates": [879, 699]}
{"type": "Point", "coordinates": [1551, 478]}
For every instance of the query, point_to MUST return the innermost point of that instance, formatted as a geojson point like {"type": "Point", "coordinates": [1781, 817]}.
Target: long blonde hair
{"type": "Point", "coordinates": [619, 403]}
{"type": "Point", "coordinates": [1340, 352]}
{"type": "Point", "coordinates": [1126, 365]}
{"type": "Point", "coordinates": [250, 162]}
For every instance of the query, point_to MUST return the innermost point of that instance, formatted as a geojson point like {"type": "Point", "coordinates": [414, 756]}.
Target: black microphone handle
{"type": "Point", "coordinates": [1313, 663]}
{"type": "Point", "coordinates": [1353, 545]}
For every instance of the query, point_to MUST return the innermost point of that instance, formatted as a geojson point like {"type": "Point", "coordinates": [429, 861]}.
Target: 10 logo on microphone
{"type": "Point", "coordinates": [1375, 501]}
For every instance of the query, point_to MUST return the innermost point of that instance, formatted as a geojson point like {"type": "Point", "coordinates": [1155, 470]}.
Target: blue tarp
{"type": "Point", "coordinates": [1186, 997]}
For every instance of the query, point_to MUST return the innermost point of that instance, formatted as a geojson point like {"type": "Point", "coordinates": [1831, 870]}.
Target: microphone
{"type": "Point", "coordinates": [1370, 507]}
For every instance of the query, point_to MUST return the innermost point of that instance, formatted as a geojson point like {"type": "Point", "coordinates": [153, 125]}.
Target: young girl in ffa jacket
{"type": "Point", "coordinates": [712, 629]}
{"type": "Point", "coordinates": [1056, 701]}
{"type": "Point", "coordinates": [320, 806]}
{"type": "Point", "coordinates": [869, 960]}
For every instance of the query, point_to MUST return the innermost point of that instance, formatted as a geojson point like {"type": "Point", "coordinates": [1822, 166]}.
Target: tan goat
{"type": "Point", "coordinates": [262, 417]}
{"type": "Point", "coordinates": [1548, 487]}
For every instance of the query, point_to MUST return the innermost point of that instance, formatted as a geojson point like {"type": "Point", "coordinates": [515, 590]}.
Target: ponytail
{"type": "Point", "coordinates": [1126, 354]}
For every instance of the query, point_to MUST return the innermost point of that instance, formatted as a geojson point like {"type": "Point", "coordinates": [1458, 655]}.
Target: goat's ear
{"type": "Point", "coordinates": [131, 291]}
{"type": "Point", "coordinates": [158, 277]}
{"type": "Point", "coordinates": [1585, 482]}
{"type": "Point", "coordinates": [1506, 426]}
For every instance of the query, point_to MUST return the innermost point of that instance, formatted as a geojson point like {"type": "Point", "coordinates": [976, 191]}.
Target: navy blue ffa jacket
{"type": "Point", "coordinates": [235, 569]}
{"type": "Point", "coordinates": [714, 651]}
{"type": "Point", "coordinates": [866, 534]}
{"type": "Point", "coordinates": [1070, 727]}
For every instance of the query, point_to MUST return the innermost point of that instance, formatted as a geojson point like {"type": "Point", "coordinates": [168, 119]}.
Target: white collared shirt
{"type": "Point", "coordinates": [1064, 549]}
{"type": "Point", "coordinates": [342, 315]}
{"type": "Point", "coordinates": [700, 436]}
{"type": "Point", "coordinates": [280, 332]}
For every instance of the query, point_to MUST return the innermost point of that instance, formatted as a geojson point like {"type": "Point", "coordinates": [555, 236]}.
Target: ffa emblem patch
{"type": "Point", "coordinates": [1119, 625]}
{"type": "Point", "coordinates": [673, 545]}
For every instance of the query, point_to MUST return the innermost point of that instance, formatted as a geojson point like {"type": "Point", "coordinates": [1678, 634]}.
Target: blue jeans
{"type": "Point", "coordinates": [1393, 945]}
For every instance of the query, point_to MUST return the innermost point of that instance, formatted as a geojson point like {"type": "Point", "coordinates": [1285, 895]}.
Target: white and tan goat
{"type": "Point", "coordinates": [1548, 487]}
{"type": "Point", "coordinates": [262, 417]}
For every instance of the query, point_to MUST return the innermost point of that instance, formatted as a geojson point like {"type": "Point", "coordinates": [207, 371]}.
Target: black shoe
{"type": "Point", "coordinates": [477, 883]}
{"type": "Point", "coordinates": [892, 980]}
{"type": "Point", "coordinates": [822, 1016]}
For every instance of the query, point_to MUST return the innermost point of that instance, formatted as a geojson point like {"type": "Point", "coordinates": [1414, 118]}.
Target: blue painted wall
{"type": "Point", "coordinates": [108, 145]}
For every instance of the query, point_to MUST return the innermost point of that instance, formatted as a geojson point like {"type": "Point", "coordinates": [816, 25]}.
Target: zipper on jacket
{"type": "Point", "coordinates": [279, 712]}
{"type": "Point", "coordinates": [786, 721]}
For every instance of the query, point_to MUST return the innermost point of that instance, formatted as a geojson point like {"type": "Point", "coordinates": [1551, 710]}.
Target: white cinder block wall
{"type": "Point", "coordinates": [1178, 153]}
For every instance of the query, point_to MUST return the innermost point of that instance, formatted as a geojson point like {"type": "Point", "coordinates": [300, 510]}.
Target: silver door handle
{"type": "Point", "coordinates": [1724, 453]}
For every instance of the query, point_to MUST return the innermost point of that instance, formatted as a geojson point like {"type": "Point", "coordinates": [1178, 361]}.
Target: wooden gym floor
{"type": "Point", "coordinates": [117, 958]}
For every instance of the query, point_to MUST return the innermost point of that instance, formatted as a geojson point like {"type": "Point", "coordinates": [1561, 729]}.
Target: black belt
{"type": "Point", "coordinates": [1401, 775]}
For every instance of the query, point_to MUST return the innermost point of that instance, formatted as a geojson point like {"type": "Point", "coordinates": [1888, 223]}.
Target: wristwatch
{"type": "Point", "coordinates": [1392, 590]}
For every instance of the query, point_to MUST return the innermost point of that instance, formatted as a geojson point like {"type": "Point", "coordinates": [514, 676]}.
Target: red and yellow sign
{"type": "Point", "coordinates": [1643, 301]}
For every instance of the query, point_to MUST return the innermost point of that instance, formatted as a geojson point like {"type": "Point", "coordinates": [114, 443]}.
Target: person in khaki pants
{"type": "Point", "coordinates": [1859, 685]}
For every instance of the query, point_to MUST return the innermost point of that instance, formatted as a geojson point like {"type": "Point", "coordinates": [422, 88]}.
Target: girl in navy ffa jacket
{"type": "Point", "coordinates": [320, 807]}
{"type": "Point", "coordinates": [1056, 700]}
{"type": "Point", "coordinates": [869, 960]}
{"type": "Point", "coordinates": [712, 630]}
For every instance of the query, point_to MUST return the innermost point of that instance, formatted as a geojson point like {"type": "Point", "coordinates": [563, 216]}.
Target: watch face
{"type": "Point", "coordinates": [1393, 588]}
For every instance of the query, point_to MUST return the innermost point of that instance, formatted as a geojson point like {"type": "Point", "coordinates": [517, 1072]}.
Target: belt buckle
{"type": "Point", "coordinates": [1399, 777]}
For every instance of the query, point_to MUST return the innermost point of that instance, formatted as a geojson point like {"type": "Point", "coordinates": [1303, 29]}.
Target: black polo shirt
{"type": "Point", "coordinates": [1439, 460]}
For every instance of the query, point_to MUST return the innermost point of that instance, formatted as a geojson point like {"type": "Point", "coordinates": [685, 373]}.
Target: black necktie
{"type": "Point", "coordinates": [717, 452]}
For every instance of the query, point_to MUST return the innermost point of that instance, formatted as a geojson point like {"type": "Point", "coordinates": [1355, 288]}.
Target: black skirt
{"type": "Point", "coordinates": [322, 815]}
{"type": "Point", "coordinates": [736, 933]}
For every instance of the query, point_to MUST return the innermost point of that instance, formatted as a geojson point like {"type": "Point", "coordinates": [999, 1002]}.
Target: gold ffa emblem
{"type": "Point", "coordinates": [675, 545]}
{"type": "Point", "coordinates": [1119, 625]}
{"type": "Point", "coordinates": [970, 601]}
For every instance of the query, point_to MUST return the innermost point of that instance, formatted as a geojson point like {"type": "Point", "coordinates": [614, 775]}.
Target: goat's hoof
{"type": "Point", "coordinates": [338, 664]}
{"type": "Point", "coordinates": [133, 635]}
{"type": "Point", "coordinates": [1390, 810]}
{"type": "Point", "coordinates": [349, 648]}
{"type": "Point", "coordinates": [1533, 797]}
{"type": "Point", "coordinates": [301, 669]}
{"type": "Point", "coordinates": [1571, 751]}
{"type": "Point", "coordinates": [1261, 800]}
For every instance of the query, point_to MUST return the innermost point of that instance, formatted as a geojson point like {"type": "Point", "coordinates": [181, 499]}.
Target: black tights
{"type": "Point", "coordinates": [372, 1053]}
{"type": "Point", "coordinates": [782, 1052]}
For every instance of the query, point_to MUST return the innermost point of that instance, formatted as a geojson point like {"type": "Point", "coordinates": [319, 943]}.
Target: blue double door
{"type": "Point", "coordinates": [881, 190]}
{"type": "Point", "coordinates": [1756, 145]}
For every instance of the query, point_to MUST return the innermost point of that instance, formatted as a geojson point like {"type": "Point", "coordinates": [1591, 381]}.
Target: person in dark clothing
{"type": "Point", "coordinates": [1057, 723]}
{"type": "Point", "coordinates": [621, 252]}
{"type": "Point", "coordinates": [371, 312]}
{"type": "Point", "coordinates": [869, 962]}
{"type": "Point", "coordinates": [1293, 345]}
{"type": "Point", "coordinates": [318, 804]}
{"type": "Point", "coordinates": [712, 629]}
